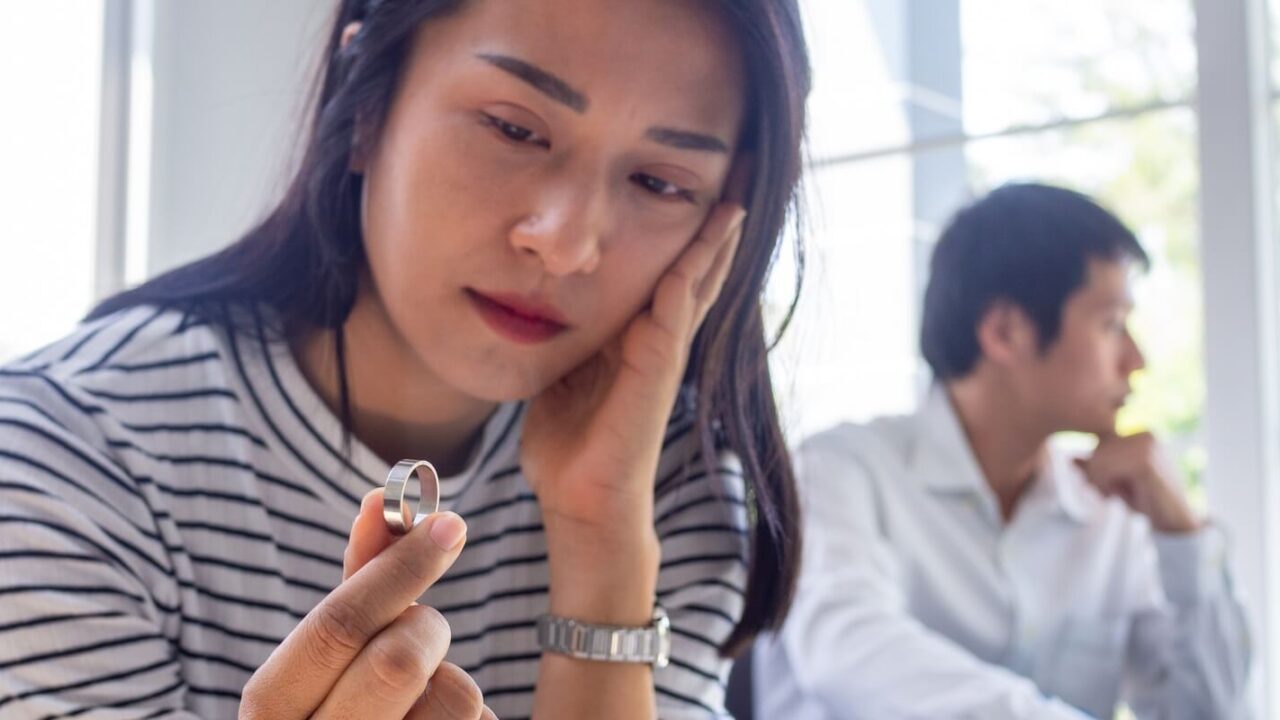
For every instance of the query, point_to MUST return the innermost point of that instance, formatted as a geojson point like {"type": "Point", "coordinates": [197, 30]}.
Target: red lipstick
{"type": "Point", "coordinates": [517, 318]}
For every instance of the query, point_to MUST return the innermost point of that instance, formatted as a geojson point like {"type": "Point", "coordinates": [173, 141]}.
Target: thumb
{"type": "Point", "coordinates": [370, 534]}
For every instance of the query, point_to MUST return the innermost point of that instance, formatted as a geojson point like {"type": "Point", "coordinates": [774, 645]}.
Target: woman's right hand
{"type": "Point", "coordinates": [368, 650]}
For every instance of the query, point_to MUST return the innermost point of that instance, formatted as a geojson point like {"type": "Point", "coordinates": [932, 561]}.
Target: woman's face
{"type": "Point", "coordinates": [542, 163]}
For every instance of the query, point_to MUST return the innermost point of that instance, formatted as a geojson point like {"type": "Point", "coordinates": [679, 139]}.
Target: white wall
{"type": "Point", "coordinates": [230, 79]}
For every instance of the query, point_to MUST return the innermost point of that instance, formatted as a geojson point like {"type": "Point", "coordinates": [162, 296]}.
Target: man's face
{"type": "Point", "coordinates": [1082, 379]}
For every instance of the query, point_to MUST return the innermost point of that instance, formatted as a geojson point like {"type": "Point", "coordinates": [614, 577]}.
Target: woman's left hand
{"type": "Point", "coordinates": [592, 440]}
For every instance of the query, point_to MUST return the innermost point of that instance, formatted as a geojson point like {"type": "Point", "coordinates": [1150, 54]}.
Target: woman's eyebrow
{"type": "Point", "coordinates": [686, 140]}
{"type": "Point", "coordinates": [562, 92]}
{"type": "Point", "coordinates": [541, 80]}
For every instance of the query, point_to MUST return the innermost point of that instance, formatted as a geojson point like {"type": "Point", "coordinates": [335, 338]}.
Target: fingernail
{"type": "Point", "coordinates": [447, 530]}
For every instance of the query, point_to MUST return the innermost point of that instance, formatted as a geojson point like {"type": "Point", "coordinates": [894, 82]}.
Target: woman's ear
{"type": "Point", "coordinates": [359, 156]}
{"type": "Point", "coordinates": [348, 33]}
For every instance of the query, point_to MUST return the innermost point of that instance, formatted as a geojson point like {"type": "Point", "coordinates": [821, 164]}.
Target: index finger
{"type": "Point", "coordinates": [302, 670]}
{"type": "Point", "coordinates": [675, 299]}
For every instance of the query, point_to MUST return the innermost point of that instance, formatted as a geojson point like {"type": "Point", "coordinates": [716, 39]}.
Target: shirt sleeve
{"type": "Point", "coordinates": [1190, 652]}
{"type": "Point", "coordinates": [702, 530]}
{"type": "Point", "coordinates": [85, 581]}
{"type": "Point", "coordinates": [850, 639]}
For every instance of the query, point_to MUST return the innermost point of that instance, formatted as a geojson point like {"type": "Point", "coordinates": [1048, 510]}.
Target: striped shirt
{"type": "Point", "coordinates": [174, 498]}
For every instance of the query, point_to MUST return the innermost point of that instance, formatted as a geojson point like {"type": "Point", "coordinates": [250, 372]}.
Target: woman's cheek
{"type": "Point", "coordinates": [665, 221]}
{"type": "Point", "coordinates": [482, 175]}
{"type": "Point", "coordinates": [471, 159]}
{"type": "Point", "coordinates": [642, 260]}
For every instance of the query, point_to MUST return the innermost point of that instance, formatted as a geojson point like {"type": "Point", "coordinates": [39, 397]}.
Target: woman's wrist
{"type": "Point", "coordinates": [605, 578]}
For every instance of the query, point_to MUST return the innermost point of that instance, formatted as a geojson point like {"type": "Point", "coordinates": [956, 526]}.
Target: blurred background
{"type": "Point", "coordinates": [139, 134]}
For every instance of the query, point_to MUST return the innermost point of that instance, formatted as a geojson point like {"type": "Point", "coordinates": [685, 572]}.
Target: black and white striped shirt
{"type": "Point", "coordinates": [174, 498]}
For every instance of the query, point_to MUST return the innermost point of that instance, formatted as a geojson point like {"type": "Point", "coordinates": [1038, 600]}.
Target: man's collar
{"type": "Point", "coordinates": [942, 460]}
{"type": "Point", "coordinates": [1074, 497]}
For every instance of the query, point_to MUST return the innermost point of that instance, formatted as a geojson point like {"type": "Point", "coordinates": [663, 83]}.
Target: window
{"type": "Point", "coordinates": [50, 73]}
{"type": "Point", "coordinates": [914, 113]}
{"type": "Point", "coordinates": [918, 107]}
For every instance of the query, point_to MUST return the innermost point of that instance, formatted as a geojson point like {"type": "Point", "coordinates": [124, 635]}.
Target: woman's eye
{"type": "Point", "coordinates": [662, 188]}
{"type": "Point", "coordinates": [516, 133]}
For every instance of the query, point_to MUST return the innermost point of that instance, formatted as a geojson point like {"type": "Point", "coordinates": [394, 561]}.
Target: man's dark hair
{"type": "Point", "coordinates": [1026, 244]}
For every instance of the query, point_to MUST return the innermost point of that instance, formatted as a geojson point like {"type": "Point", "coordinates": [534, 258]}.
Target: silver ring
{"type": "Point", "coordinates": [399, 516]}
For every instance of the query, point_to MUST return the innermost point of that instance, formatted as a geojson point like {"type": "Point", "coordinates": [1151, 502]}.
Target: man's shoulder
{"type": "Point", "coordinates": [878, 446]}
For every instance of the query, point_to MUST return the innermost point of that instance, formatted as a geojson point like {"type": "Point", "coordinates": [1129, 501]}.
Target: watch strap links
{"type": "Point", "coordinates": [608, 643]}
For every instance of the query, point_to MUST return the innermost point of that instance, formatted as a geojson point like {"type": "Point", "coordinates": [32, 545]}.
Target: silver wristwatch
{"type": "Point", "coordinates": [610, 643]}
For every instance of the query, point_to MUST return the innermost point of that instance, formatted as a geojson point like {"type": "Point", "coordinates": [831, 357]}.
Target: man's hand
{"type": "Point", "coordinates": [1135, 469]}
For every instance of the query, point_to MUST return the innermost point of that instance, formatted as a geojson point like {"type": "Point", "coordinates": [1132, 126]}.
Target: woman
{"type": "Point", "coordinates": [521, 234]}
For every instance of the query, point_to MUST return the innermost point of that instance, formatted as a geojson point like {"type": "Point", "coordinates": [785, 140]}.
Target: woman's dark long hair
{"type": "Point", "coordinates": [304, 260]}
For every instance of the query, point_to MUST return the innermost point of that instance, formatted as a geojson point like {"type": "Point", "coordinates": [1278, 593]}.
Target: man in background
{"type": "Point", "coordinates": [957, 564]}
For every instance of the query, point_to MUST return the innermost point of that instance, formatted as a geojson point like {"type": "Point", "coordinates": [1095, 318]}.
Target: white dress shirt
{"type": "Point", "coordinates": [916, 600]}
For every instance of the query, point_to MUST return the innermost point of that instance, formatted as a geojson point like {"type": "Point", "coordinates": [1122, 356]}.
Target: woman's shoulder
{"type": "Point", "coordinates": [65, 418]}
{"type": "Point", "coordinates": [120, 342]}
{"type": "Point", "coordinates": [117, 360]}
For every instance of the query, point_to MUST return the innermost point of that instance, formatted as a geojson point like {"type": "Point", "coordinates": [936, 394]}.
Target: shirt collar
{"type": "Point", "coordinates": [942, 460]}
{"type": "Point", "coordinates": [1072, 492]}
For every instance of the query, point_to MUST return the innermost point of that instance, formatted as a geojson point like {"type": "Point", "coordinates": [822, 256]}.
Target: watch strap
{"type": "Point", "coordinates": [608, 643]}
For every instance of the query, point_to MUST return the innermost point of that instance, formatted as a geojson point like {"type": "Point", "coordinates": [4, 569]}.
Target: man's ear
{"type": "Point", "coordinates": [1006, 334]}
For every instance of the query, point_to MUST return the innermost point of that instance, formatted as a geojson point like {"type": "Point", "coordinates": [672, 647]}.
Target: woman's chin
{"type": "Point", "coordinates": [503, 384]}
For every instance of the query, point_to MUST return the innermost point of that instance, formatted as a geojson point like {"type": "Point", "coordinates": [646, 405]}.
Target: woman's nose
{"type": "Point", "coordinates": [564, 231]}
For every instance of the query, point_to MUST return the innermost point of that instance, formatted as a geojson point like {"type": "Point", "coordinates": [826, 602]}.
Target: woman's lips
{"type": "Point", "coordinates": [516, 319]}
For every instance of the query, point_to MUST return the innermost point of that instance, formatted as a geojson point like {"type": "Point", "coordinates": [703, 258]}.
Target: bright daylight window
{"type": "Point", "coordinates": [912, 116]}
{"type": "Point", "coordinates": [50, 74]}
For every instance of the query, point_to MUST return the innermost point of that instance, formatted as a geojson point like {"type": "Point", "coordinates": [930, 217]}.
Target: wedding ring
{"type": "Point", "coordinates": [395, 509]}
